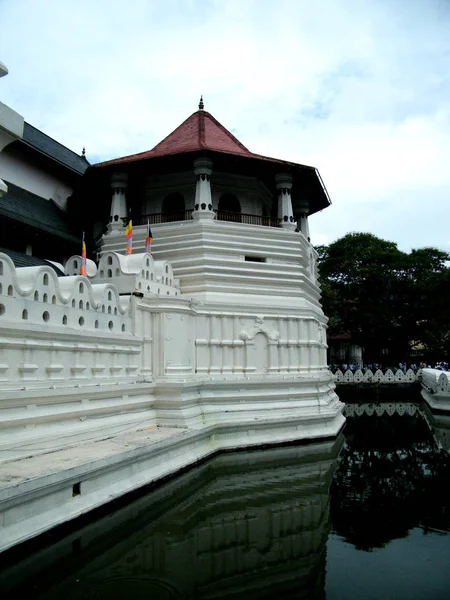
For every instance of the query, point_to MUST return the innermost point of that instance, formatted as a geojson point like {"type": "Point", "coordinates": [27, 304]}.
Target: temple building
{"type": "Point", "coordinates": [212, 338]}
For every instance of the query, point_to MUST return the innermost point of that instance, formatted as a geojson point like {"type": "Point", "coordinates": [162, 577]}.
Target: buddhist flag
{"type": "Point", "coordinates": [83, 257]}
{"type": "Point", "coordinates": [129, 236]}
{"type": "Point", "coordinates": [148, 239]}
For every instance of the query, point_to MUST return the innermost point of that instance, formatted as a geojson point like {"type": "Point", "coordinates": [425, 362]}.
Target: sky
{"type": "Point", "coordinates": [360, 89]}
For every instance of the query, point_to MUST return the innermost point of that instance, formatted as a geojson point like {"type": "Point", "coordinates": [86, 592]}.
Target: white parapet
{"type": "Point", "coordinates": [436, 388]}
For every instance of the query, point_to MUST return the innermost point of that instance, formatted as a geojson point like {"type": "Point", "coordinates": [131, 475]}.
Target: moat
{"type": "Point", "coordinates": [366, 515]}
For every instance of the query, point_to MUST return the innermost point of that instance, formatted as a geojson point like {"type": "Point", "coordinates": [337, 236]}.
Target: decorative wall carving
{"type": "Point", "coordinates": [259, 327]}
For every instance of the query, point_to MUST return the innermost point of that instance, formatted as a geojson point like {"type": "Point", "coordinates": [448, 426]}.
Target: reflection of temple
{"type": "Point", "coordinates": [244, 525]}
{"type": "Point", "coordinates": [440, 427]}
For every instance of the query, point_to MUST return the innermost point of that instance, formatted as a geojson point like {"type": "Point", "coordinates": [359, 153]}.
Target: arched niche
{"type": "Point", "coordinates": [229, 208]}
{"type": "Point", "coordinates": [173, 208]}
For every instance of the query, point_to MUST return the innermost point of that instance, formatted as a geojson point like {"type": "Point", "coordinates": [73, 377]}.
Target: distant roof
{"type": "Point", "coordinates": [28, 208]}
{"type": "Point", "coordinates": [53, 149]}
{"type": "Point", "coordinates": [25, 260]}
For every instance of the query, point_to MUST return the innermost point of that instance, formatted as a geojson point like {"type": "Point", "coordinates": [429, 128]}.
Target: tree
{"type": "Point", "coordinates": [385, 298]}
{"type": "Point", "coordinates": [426, 303]}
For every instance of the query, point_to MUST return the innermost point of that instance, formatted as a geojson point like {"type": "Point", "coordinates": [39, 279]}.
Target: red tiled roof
{"type": "Point", "coordinates": [200, 131]}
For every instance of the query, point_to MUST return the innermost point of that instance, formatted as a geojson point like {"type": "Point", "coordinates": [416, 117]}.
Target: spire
{"type": "Point", "coordinates": [201, 106]}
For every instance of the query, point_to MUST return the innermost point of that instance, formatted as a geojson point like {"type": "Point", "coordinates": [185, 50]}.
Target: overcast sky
{"type": "Point", "coordinates": [359, 89]}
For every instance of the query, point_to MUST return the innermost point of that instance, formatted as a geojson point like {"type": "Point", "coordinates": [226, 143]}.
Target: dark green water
{"type": "Point", "coordinates": [366, 516]}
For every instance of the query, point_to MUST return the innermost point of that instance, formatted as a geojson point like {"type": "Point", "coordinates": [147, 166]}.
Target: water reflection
{"type": "Point", "coordinates": [244, 525]}
{"type": "Point", "coordinates": [257, 524]}
{"type": "Point", "coordinates": [392, 477]}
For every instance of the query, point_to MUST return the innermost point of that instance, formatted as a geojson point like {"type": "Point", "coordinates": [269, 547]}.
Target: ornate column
{"type": "Point", "coordinates": [302, 223]}
{"type": "Point", "coordinates": [285, 213]}
{"type": "Point", "coordinates": [203, 198]}
{"type": "Point", "coordinates": [118, 213]}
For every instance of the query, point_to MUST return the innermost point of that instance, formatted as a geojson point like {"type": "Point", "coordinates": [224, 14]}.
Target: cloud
{"type": "Point", "coordinates": [358, 90]}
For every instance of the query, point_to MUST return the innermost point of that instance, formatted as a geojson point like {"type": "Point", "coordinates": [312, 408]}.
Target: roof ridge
{"type": "Point", "coordinates": [169, 135]}
{"type": "Point", "coordinates": [201, 128]}
{"type": "Point", "coordinates": [52, 139]}
{"type": "Point", "coordinates": [225, 130]}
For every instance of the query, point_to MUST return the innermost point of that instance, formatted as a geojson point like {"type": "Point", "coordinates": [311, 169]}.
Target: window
{"type": "Point", "coordinates": [173, 208]}
{"type": "Point", "coordinates": [229, 203]}
{"type": "Point", "coordinates": [10, 290]}
{"type": "Point", "coordinates": [259, 259]}
{"type": "Point", "coordinates": [25, 314]}
{"type": "Point", "coordinates": [45, 279]}
{"type": "Point", "coordinates": [81, 288]}
{"type": "Point", "coordinates": [109, 260]}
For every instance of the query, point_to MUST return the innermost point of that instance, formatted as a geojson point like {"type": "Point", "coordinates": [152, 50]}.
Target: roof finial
{"type": "Point", "coordinates": [201, 106]}
{"type": "Point", "coordinates": [83, 152]}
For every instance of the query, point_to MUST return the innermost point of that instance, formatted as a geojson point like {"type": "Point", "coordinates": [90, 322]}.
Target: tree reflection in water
{"type": "Point", "coordinates": [392, 476]}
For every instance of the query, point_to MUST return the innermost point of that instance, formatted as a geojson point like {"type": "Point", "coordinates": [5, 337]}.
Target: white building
{"type": "Point", "coordinates": [215, 340]}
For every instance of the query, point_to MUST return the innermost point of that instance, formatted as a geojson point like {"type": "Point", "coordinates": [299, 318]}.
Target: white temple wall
{"type": "Point", "coordinates": [244, 343]}
{"type": "Point", "coordinates": [62, 329]}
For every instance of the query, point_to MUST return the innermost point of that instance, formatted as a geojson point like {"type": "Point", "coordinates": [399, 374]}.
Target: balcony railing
{"type": "Point", "coordinates": [221, 215]}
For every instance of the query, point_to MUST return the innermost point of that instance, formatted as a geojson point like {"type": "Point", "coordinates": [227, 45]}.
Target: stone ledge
{"type": "Point", "coordinates": [47, 490]}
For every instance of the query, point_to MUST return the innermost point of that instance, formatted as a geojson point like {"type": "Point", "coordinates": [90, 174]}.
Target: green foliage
{"type": "Point", "coordinates": [386, 299]}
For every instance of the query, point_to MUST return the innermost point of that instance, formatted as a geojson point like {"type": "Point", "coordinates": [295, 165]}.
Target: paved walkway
{"type": "Point", "coordinates": [40, 460]}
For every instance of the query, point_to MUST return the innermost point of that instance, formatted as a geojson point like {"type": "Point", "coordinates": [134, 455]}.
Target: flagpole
{"type": "Point", "coordinates": [129, 235]}
{"type": "Point", "coordinates": [83, 257]}
{"type": "Point", "coordinates": [149, 238]}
